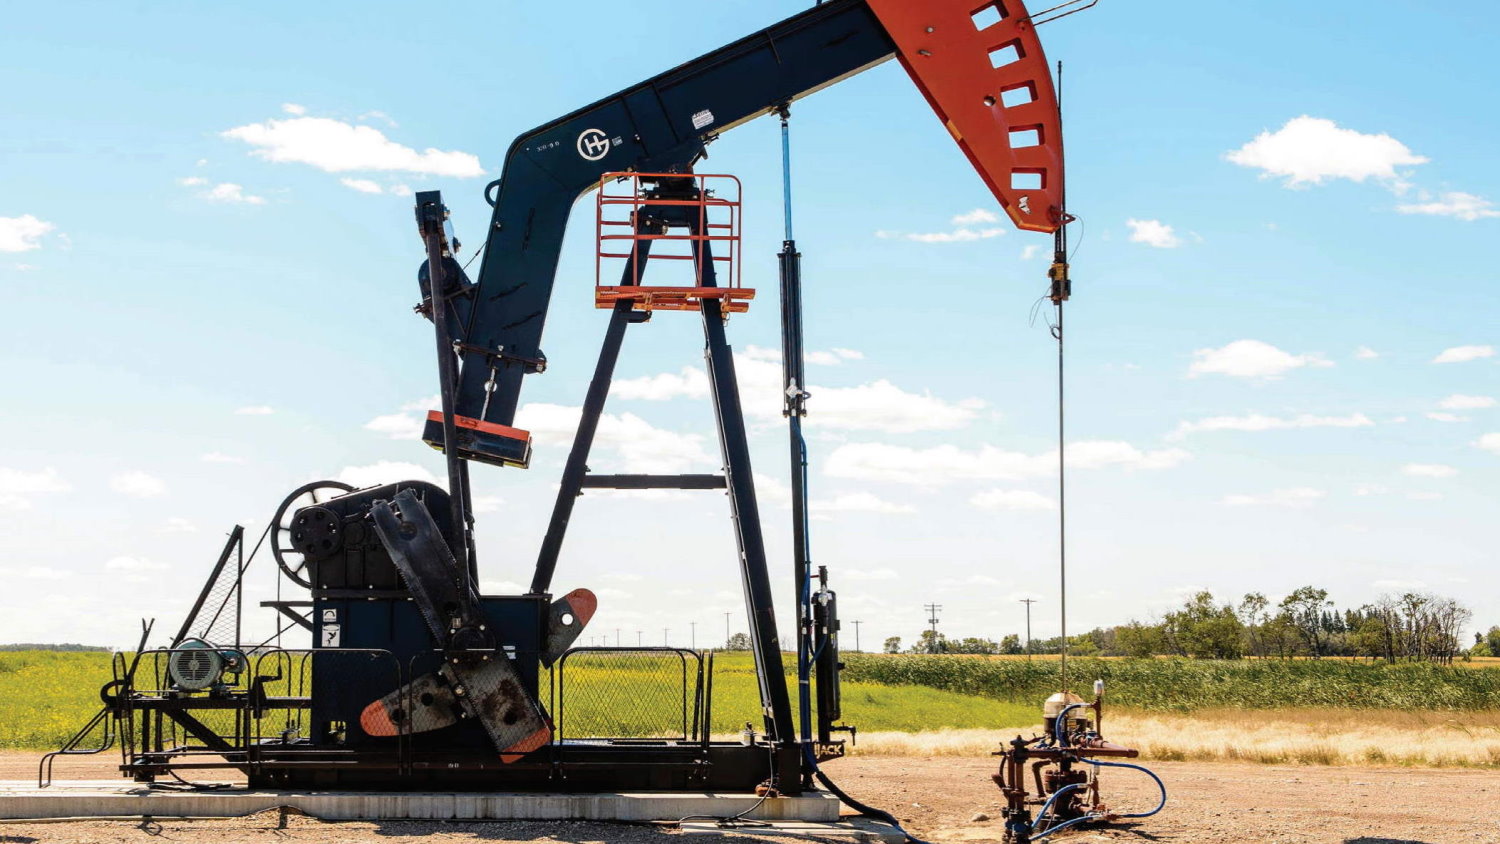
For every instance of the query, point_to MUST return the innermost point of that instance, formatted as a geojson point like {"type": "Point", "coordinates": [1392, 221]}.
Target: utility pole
{"type": "Point", "coordinates": [857, 623]}
{"type": "Point", "coordinates": [664, 632]}
{"type": "Point", "coordinates": [617, 637]}
{"type": "Point", "coordinates": [726, 631]}
{"type": "Point", "coordinates": [932, 621]}
{"type": "Point", "coordinates": [638, 638]}
{"type": "Point", "coordinates": [1028, 602]}
{"type": "Point", "coordinates": [693, 640]}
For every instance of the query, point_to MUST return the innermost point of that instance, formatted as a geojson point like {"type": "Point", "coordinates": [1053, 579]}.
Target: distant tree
{"type": "Point", "coordinates": [1011, 644]}
{"type": "Point", "coordinates": [738, 642]}
{"type": "Point", "coordinates": [973, 645]}
{"type": "Point", "coordinates": [1253, 616]}
{"type": "Point", "coordinates": [1141, 641]}
{"type": "Point", "coordinates": [1205, 630]}
{"type": "Point", "coordinates": [1492, 638]}
{"type": "Point", "coordinates": [892, 645]}
{"type": "Point", "coordinates": [931, 643]}
{"type": "Point", "coordinates": [1305, 608]}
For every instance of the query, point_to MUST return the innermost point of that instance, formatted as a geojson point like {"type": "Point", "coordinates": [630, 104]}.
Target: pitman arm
{"type": "Point", "coordinates": [664, 124]}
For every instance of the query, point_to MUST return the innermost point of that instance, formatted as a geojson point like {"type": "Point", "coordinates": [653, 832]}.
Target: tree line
{"type": "Point", "coordinates": [1413, 626]}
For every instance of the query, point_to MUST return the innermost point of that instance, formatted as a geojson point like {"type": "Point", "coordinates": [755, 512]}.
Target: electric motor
{"type": "Point", "coordinates": [195, 665]}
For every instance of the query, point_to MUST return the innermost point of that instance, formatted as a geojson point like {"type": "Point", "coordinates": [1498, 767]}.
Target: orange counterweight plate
{"type": "Point", "coordinates": [982, 69]}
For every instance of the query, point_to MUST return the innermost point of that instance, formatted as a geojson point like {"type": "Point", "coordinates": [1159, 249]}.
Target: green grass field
{"type": "Point", "coordinates": [45, 696]}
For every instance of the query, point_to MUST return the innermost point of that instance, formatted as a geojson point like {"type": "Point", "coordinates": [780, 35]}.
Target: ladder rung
{"type": "Point", "coordinates": [654, 482]}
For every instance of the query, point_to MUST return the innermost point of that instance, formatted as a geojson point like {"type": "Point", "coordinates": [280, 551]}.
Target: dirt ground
{"type": "Point", "coordinates": [1210, 803]}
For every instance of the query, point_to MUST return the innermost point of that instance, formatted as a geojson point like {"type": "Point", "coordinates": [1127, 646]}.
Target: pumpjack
{"type": "Point", "coordinates": [413, 679]}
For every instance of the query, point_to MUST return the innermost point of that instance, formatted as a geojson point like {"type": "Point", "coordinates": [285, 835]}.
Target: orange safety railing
{"type": "Point", "coordinates": [711, 224]}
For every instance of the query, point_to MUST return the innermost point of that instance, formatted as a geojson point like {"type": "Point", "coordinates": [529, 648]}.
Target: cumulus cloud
{"type": "Point", "coordinates": [255, 410]}
{"type": "Point", "coordinates": [1464, 354]}
{"type": "Point", "coordinates": [361, 185]}
{"type": "Point", "coordinates": [868, 574]}
{"type": "Point", "coordinates": [1366, 353]}
{"type": "Point", "coordinates": [860, 502]}
{"type": "Point", "coordinates": [1153, 233]}
{"type": "Point", "coordinates": [23, 233]}
{"type": "Point", "coordinates": [398, 426]}
{"type": "Point", "coordinates": [220, 457]}
{"type": "Point", "coordinates": [294, 109]}
{"type": "Point", "coordinates": [1459, 401]}
{"type": "Point", "coordinates": [1463, 206]}
{"type": "Point", "coordinates": [966, 227]}
{"type": "Point", "coordinates": [138, 485]}
{"type": "Point", "coordinates": [226, 192]}
{"type": "Point", "coordinates": [338, 147]}
{"type": "Point", "coordinates": [1313, 150]}
{"type": "Point", "coordinates": [177, 524]}
{"type": "Point", "coordinates": [641, 446]}
{"type": "Point", "coordinates": [1438, 416]}
{"type": "Point", "coordinates": [133, 564]}
{"type": "Point", "coordinates": [1250, 359]}
{"type": "Point", "coordinates": [385, 472]}
{"type": "Point", "coordinates": [18, 487]}
{"type": "Point", "coordinates": [882, 406]}
{"type": "Point", "coordinates": [1259, 422]}
{"type": "Point", "coordinates": [1012, 499]}
{"type": "Point", "coordinates": [947, 463]}
{"type": "Point", "coordinates": [1489, 442]}
{"type": "Point", "coordinates": [1030, 251]}
{"type": "Point", "coordinates": [691, 382]}
{"type": "Point", "coordinates": [1295, 497]}
{"type": "Point", "coordinates": [1429, 470]}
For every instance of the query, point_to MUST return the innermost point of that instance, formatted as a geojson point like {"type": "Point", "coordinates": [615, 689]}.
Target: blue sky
{"type": "Point", "coordinates": [1286, 224]}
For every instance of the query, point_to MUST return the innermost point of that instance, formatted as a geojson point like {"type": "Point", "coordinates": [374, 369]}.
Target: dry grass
{"type": "Point", "coordinates": [1295, 736]}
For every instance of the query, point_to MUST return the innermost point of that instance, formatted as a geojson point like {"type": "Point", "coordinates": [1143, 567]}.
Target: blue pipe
{"type": "Point", "coordinates": [1062, 720]}
{"type": "Point", "coordinates": [1148, 772]}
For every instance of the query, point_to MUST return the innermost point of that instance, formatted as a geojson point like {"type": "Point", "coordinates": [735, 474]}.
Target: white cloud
{"type": "Point", "coordinates": [1464, 206]}
{"type": "Point", "coordinates": [1295, 497]}
{"type": "Point", "coordinates": [133, 564]}
{"type": "Point", "coordinates": [398, 426]}
{"type": "Point", "coordinates": [945, 463]}
{"type": "Point", "coordinates": [17, 486]}
{"type": "Point", "coordinates": [1489, 442]}
{"type": "Point", "coordinates": [488, 503]}
{"type": "Point", "coordinates": [1153, 233]}
{"type": "Point", "coordinates": [219, 457]}
{"type": "Point", "coordinates": [1370, 489]}
{"type": "Point", "coordinates": [1400, 585]}
{"type": "Point", "coordinates": [1424, 496]}
{"type": "Point", "coordinates": [255, 410]}
{"type": "Point", "coordinates": [882, 406]}
{"type": "Point", "coordinates": [232, 193]}
{"type": "Point", "coordinates": [192, 181]}
{"type": "Point", "coordinates": [691, 382]}
{"type": "Point", "coordinates": [385, 472]}
{"type": "Point", "coordinates": [642, 447]}
{"type": "Point", "coordinates": [294, 109]}
{"type": "Point", "coordinates": [1446, 417]}
{"type": "Point", "coordinates": [964, 229]}
{"type": "Point", "coordinates": [821, 358]}
{"type": "Point", "coordinates": [1312, 150]}
{"type": "Point", "coordinates": [1459, 401]}
{"type": "Point", "coordinates": [177, 524]}
{"type": "Point", "coordinates": [1250, 359]}
{"type": "Point", "coordinates": [400, 190]}
{"type": "Point", "coordinates": [337, 147]}
{"type": "Point", "coordinates": [1366, 353]}
{"type": "Point", "coordinates": [35, 573]}
{"type": "Point", "coordinates": [23, 233]}
{"type": "Point", "coordinates": [975, 217]}
{"type": "Point", "coordinates": [1464, 354]}
{"type": "Point", "coordinates": [860, 502]}
{"type": "Point", "coordinates": [871, 574]}
{"type": "Point", "coordinates": [1029, 251]}
{"type": "Point", "coordinates": [1259, 422]}
{"type": "Point", "coordinates": [1012, 499]}
{"type": "Point", "coordinates": [1429, 470]}
{"type": "Point", "coordinates": [138, 485]}
{"type": "Point", "coordinates": [361, 185]}
{"type": "Point", "coordinates": [501, 587]}
{"type": "Point", "coordinates": [849, 354]}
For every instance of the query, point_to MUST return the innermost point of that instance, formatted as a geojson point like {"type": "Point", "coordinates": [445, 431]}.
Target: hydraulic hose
{"type": "Point", "coordinates": [1148, 772]}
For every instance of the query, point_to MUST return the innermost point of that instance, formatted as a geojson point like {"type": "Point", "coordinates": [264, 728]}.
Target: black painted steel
{"type": "Point", "coordinates": [654, 482]}
{"type": "Point", "coordinates": [660, 125]}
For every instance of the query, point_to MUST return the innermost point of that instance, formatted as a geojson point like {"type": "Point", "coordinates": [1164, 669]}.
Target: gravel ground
{"type": "Point", "coordinates": [1211, 803]}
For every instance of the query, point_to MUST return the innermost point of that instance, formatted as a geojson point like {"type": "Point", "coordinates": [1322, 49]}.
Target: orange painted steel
{"type": "Point", "coordinates": [718, 206]}
{"type": "Point", "coordinates": [951, 49]}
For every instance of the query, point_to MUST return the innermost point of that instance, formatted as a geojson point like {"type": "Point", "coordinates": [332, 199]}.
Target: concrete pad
{"type": "Point", "coordinates": [852, 829]}
{"type": "Point", "coordinates": [82, 799]}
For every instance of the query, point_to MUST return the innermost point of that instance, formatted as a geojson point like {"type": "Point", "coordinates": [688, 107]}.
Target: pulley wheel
{"type": "Point", "coordinates": [292, 559]}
